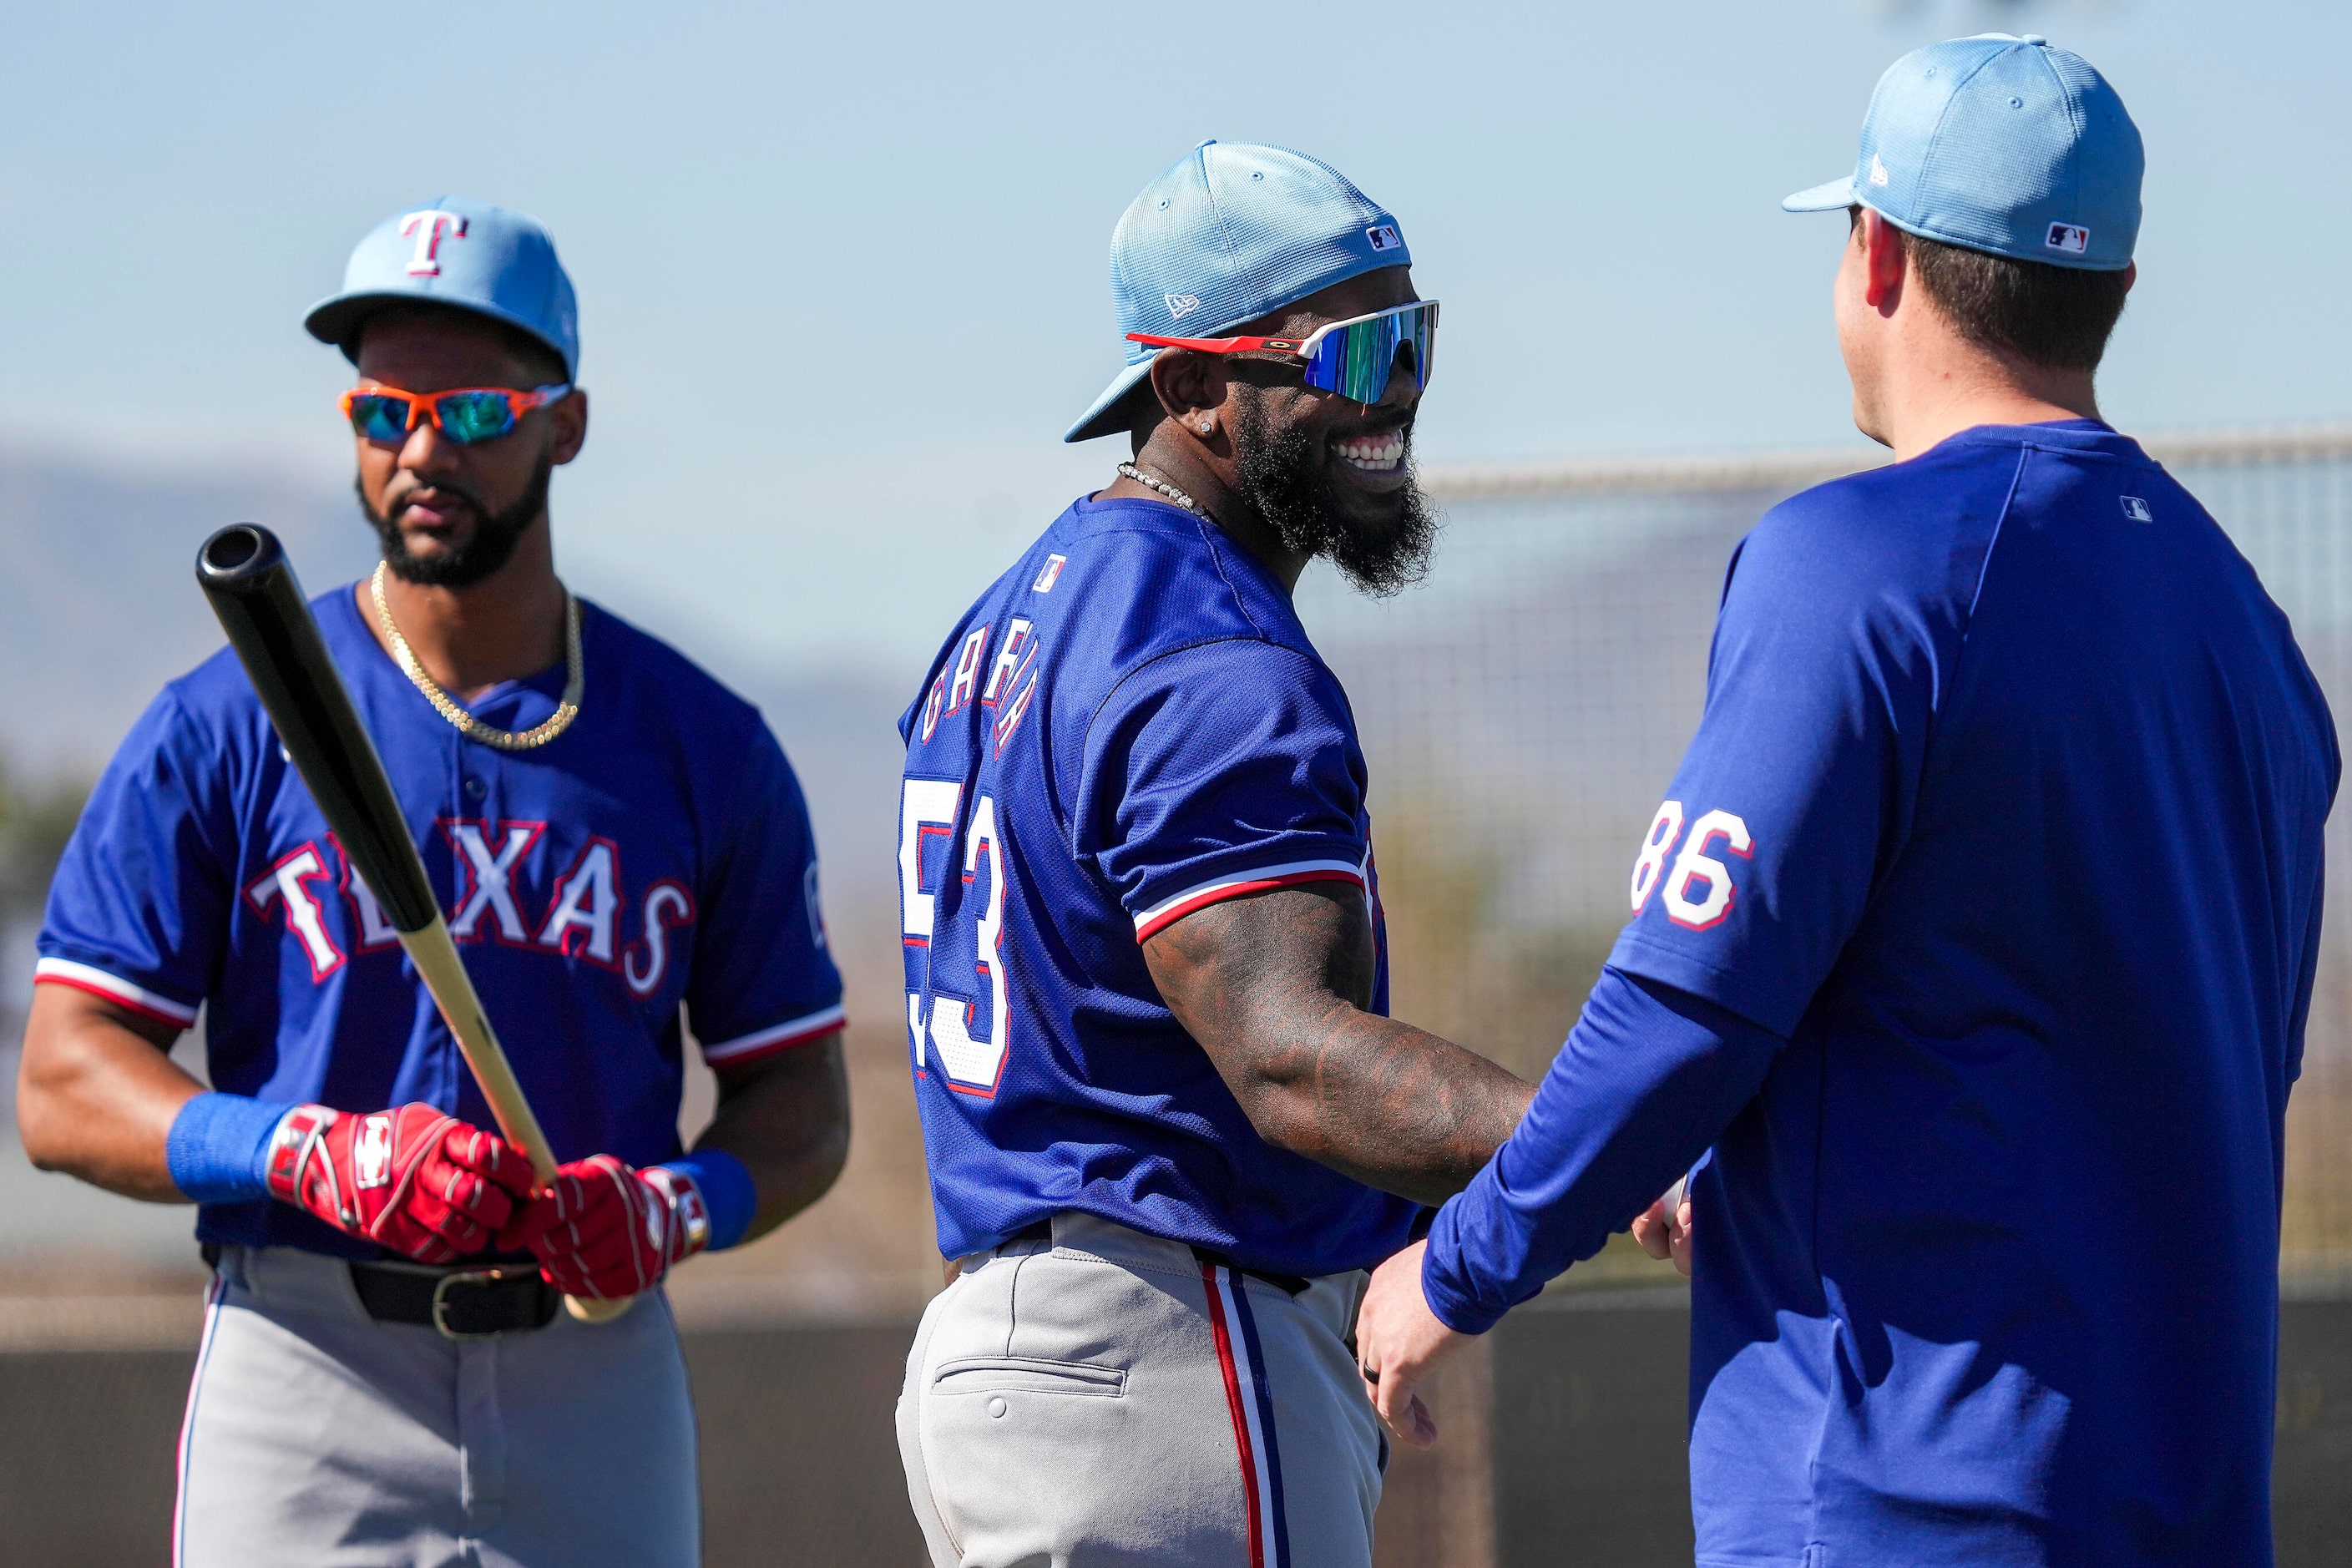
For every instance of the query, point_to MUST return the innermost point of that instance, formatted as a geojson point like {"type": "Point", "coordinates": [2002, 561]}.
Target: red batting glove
{"type": "Point", "coordinates": [415, 1180]}
{"type": "Point", "coordinates": [605, 1229]}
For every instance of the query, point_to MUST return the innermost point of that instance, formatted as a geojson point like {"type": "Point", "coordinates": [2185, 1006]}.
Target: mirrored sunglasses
{"type": "Point", "coordinates": [464, 415]}
{"type": "Point", "coordinates": [1354, 358]}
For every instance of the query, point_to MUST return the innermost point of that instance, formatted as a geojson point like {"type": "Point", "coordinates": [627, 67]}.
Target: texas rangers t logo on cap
{"type": "Point", "coordinates": [428, 227]}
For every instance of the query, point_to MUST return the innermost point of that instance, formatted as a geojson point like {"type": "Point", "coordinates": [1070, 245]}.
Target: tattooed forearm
{"type": "Point", "coordinates": [1273, 986]}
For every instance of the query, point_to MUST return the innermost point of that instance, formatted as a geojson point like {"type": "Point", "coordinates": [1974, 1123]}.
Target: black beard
{"type": "Point", "coordinates": [492, 547]}
{"type": "Point", "coordinates": [1280, 476]}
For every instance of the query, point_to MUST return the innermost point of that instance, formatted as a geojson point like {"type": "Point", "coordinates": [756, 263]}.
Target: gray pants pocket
{"type": "Point", "coordinates": [1028, 1374]}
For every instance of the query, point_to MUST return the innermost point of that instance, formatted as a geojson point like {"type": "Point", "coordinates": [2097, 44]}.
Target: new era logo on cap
{"type": "Point", "coordinates": [1383, 236]}
{"type": "Point", "coordinates": [1182, 305]}
{"type": "Point", "coordinates": [1877, 171]}
{"type": "Point", "coordinates": [2070, 237]}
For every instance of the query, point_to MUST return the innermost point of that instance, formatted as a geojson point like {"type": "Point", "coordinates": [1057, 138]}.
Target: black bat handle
{"type": "Point", "coordinates": [243, 570]}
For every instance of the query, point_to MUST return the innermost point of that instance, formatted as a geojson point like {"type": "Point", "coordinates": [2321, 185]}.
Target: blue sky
{"type": "Point", "coordinates": [842, 269]}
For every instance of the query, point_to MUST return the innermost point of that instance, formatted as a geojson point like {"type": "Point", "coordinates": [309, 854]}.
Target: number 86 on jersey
{"type": "Point", "coordinates": [1698, 889]}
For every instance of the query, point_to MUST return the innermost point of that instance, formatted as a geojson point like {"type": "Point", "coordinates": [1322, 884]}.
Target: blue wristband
{"type": "Point", "coordinates": [218, 1150]}
{"type": "Point", "coordinates": [728, 1193]}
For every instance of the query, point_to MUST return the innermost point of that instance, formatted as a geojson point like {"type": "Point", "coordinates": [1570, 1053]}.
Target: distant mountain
{"type": "Point", "coordinates": [98, 608]}
{"type": "Point", "coordinates": [1529, 700]}
{"type": "Point", "coordinates": [98, 604]}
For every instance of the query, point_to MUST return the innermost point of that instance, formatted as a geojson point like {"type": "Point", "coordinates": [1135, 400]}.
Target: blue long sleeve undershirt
{"type": "Point", "coordinates": [1647, 1081]}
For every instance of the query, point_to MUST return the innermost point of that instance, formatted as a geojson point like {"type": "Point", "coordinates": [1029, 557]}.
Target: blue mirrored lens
{"type": "Point", "coordinates": [468, 416]}
{"type": "Point", "coordinates": [1358, 360]}
{"type": "Point", "coordinates": [380, 418]}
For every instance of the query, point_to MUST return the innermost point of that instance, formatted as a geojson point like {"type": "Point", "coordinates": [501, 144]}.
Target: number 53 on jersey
{"type": "Point", "coordinates": [970, 1019]}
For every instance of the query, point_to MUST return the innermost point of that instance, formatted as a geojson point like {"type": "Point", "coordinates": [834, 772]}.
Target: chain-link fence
{"type": "Point", "coordinates": [1525, 708]}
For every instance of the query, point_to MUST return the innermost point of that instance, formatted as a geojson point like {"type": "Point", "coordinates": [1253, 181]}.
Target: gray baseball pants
{"type": "Point", "coordinates": [318, 1438]}
{"type": "Point", "coordinates": [1111, 1398]}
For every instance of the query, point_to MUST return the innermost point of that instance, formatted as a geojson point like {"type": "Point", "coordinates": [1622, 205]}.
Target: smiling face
{"type": "Point", "coordinates": [451, 515]}
{"type": "Point", "coordinates": [1331, 476]}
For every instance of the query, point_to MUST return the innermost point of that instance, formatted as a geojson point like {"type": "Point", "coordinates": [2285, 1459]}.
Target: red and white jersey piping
{"type": "Point", "coordinates": [781, 1036]}
{"type": "Point", "coordinates": [115, 989]}
{"type": "Point", "coordinates": [1168, 911]}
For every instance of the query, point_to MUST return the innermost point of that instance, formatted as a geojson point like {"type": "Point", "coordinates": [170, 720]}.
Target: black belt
{"type": "Point", "coordinates": [476, 1303]}
{"type": "Point", "coordinates": [461, 1303]}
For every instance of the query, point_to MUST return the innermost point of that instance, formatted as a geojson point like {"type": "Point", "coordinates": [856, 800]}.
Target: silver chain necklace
{"type": "Point", "coordinates": [1164, 487]}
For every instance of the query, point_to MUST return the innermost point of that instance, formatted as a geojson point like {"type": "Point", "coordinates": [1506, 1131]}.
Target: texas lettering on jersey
{"type": "Point", "coordinates": [646, 881]}
{"type": "Point", "coordinates": [505, 895]}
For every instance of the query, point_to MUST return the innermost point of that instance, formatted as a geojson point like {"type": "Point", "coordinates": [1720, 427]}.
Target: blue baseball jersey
{"type": "Point", "coordinates": [2005, 815]}
{"type": "Point", "coordinates": [655, 854]}
{"type": "Point", "coordinates": [1130, 726]}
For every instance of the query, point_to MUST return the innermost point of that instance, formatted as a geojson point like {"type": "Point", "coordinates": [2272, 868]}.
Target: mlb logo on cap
{"type": "Point", "coordinates": [2067, 237]}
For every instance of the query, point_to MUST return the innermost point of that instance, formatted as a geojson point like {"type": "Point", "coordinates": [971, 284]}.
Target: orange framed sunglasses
{"type": "Point", "coordinates": [463, 414]}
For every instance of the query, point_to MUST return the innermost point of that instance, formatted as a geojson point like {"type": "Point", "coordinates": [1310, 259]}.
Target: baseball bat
{"type": "Point", "coordinates": [244, 572]}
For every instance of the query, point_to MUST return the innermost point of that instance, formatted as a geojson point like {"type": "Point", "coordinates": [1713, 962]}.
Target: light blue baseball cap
{"type": "Point", "coordinates": [1230, 232]}
{"type": "Point", "coordinates": [2002, 144]}
{"type": "Point", "coordinates": [456, 251]}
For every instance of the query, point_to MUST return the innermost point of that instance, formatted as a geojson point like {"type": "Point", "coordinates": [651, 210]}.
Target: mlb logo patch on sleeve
{"type": "Point", "coordinates": [2072, 239]}
{"type": "Point", "coordinates": [2137, 509]}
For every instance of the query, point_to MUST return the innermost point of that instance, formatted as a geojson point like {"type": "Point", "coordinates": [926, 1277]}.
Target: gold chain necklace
{"type": "Point", "coordinates": [473, 728]}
